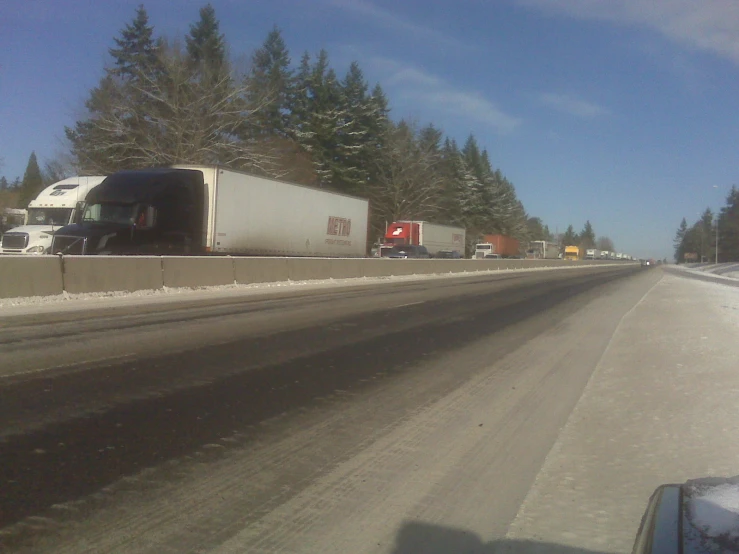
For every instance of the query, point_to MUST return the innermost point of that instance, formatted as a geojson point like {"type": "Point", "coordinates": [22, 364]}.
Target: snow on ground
{"type": "Point", "coordinates": [661, 407]}
{"type": "Point", "coordinates": [727, 272]}
{"type": "Point", "coordinates": [92, 300]}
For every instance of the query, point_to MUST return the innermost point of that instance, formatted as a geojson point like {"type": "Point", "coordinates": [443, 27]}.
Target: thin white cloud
{"type": "Point", "coordinates": [422, 88]}
{"type": "Point", "coordinates": [711, 25]}
{"type": "Point", "coordinates": [397, 73]}
{"type": "Point", "coordinates": [571, 105]}
{"type": "Point", "coordinates": [396, 22]}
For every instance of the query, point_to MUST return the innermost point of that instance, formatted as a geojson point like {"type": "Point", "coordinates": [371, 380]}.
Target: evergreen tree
{"type": "Point", "coordinates": [707, 238]}
{"type": "Point", "coordinates": [679, 241]}
{"type": "Point", "coordinates": [477, 198]}
{"type": "Point", "coordinates": [729, 228]}
{"type": "Point", "coordinates": [32, 182]}
{"type": "Point", "coordinates": [112, 130]}
{"type": "Point", "coordinates": [536, 229]}
{"type": "Point", "coordinates": [570, 237]}
{"type": "Point", "coordinates": [206, 46]}
{"type": "Point", "coordinates": [455, 184]}
{"type": "Point", "coordinates": [4, 185]}
{"type": "Point", "coordinates": [135, 48]}
{"type": "Point", "coordinates": [300, 104]}
{"type": "Point", "coordinates": [16, 184]}
{"type": "Point", "coordinates": [319, 100]}
{"type": "Point", "coordinates": [270, 85]}
{"type": "Point", "coordinates": [350, 170]}
{"type": "Point", "coordinates": [587, 237]}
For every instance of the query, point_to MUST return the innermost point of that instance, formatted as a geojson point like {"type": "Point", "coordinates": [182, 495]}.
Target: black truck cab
{"type": "Point", "coordinates": [147, 211]}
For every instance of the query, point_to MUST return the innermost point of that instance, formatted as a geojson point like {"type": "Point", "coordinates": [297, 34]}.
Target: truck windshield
{"type": "Point", "coordinates": [49, 216]}
{"type": "Point", "coordinates": [109, 213]}
{"type": "Point", "coordinates": [484, 246]}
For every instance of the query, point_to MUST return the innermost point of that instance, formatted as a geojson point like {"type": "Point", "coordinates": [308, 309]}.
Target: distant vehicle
{"type": "Point", "coordinates": [406, 251]}
{"type": "Point", "coordinates": [619, 256]}
{"type": "Point", "coordinates": [592, 254]}
{"type": "Point", "coordinates": [542, 249]}
{"type": "Point", "coordinates": [435, 237]}
{"type": "Point", "coordinates": [448, 254]}
{"type": "Point", "coordinates": [572, 253]}
{"type": "Point", "coordinates": [604, 254]}
{"type": "Point", "coordinates": [492, 256]}
{"type": "Point", "coordinates": [210, 210]}
{"type": "Point", "coordinates": [55, 206]}
{"type": "Point", "coordinates": [505, 247]}
{"type": "Point", "coordinates": [10, 218]}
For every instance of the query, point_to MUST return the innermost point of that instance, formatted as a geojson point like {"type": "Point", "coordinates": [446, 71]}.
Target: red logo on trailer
{"type": "Point", "coordinates": [339, 226]}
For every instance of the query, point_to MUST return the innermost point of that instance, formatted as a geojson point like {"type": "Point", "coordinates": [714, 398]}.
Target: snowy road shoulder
{"type": "Point", "coordinates": [661, 407]}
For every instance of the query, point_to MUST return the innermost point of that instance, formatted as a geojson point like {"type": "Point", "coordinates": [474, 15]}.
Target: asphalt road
{"type": "Point", "coordinates": [319, 421]}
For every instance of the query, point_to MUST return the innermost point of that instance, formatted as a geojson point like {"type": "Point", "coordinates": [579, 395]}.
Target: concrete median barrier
{"type": "Point", "coordinates": [47, 275]}
{"type": "Point", "coordinates": [30, 276]}
{"type": "Point", "coordinates": [111, 273]}
{"type": "Point", "coordinates": [260, 270]}
{"type": "Point", "coordinates": [197, 271]}
{"type": "Point", "coordinates": [346, 268]}
{"type": "Point", "coordinates": [307, 269]}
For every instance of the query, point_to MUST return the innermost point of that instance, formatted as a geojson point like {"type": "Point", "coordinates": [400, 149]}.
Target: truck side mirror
{"type": "Point", "coordinates": [78, 210]}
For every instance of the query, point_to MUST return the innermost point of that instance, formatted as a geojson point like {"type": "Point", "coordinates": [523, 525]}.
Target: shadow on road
{"type": "Point", "coordinates": [424, 538]}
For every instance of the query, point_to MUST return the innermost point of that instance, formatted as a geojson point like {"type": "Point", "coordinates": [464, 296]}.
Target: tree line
{"type": "Point", "coordinates": [19, 192]}
{"type": "Point", "coordinates": [164, 100]}
{"type": "Point", "coordinates": [585, 239]}
{"type": "Point", "coordinates": [698, 242]}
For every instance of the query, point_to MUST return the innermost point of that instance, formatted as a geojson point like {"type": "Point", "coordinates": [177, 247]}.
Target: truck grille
{"type": "Point", "coordinates": [15, 241]}
{"type": "Point", "coordinates": [68, 245]}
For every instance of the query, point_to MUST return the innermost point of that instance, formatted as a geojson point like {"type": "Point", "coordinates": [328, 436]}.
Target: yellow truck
{"type": "Point", "coordinates": [572, 253]}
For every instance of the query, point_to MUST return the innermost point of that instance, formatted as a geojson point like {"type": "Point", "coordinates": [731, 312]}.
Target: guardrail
{"type": "Point", "coordinates": [50, 275]}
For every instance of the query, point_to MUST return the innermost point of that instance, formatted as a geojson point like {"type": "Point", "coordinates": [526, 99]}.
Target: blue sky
{"type": "Point", "coordinates": [623, 112]}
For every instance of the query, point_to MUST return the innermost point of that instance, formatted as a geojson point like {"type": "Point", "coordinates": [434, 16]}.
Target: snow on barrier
{"type": "Point", "coordinates": [30, 276]}
{"type": "Point", "coordinates": [50, 275]}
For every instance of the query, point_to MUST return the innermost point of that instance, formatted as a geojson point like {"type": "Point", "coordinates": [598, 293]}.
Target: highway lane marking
{"type": "Point", "coordinates": [408, 304]}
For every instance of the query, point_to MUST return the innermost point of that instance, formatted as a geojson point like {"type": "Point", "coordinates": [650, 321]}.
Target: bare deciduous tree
{"type": "Point", "coordinates": [171, 116]}
{"type": "Point", "coordinates": [605, 243]}
{"type": "Point", "coordinates": [407, 184]}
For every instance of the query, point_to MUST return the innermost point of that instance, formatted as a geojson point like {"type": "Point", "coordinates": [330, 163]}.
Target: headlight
{"type": "Point", "coordinates": [35, 250]}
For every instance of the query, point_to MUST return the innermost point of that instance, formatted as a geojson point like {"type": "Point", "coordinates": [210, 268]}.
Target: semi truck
{"type": "Point", "coordinates": [187, 209]}
{"type": "Point", "coordinates": [542, 249]}
{"type": "Point", "coordinates": [500, 245]}
{"type": "Point", "coordinates": [11, 218]}
{"type": "Point", "coordinates": [591, 254]}
{"type": "Point", "coordinates": [54, 207]}
{"type": "Point", "coordinates": [439, 240]}
{"type": "Point", "coordinates": [572, 253]}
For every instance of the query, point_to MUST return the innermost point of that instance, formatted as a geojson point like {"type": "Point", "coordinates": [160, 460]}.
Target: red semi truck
{"type": "Point", "coordinates": [439, 240]}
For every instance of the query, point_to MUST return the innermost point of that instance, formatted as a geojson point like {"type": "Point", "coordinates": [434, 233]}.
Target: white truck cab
{"type": "Point", "coordinates": [54, 207]}
{"type": "Point", "coordinates": [484, 250]}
